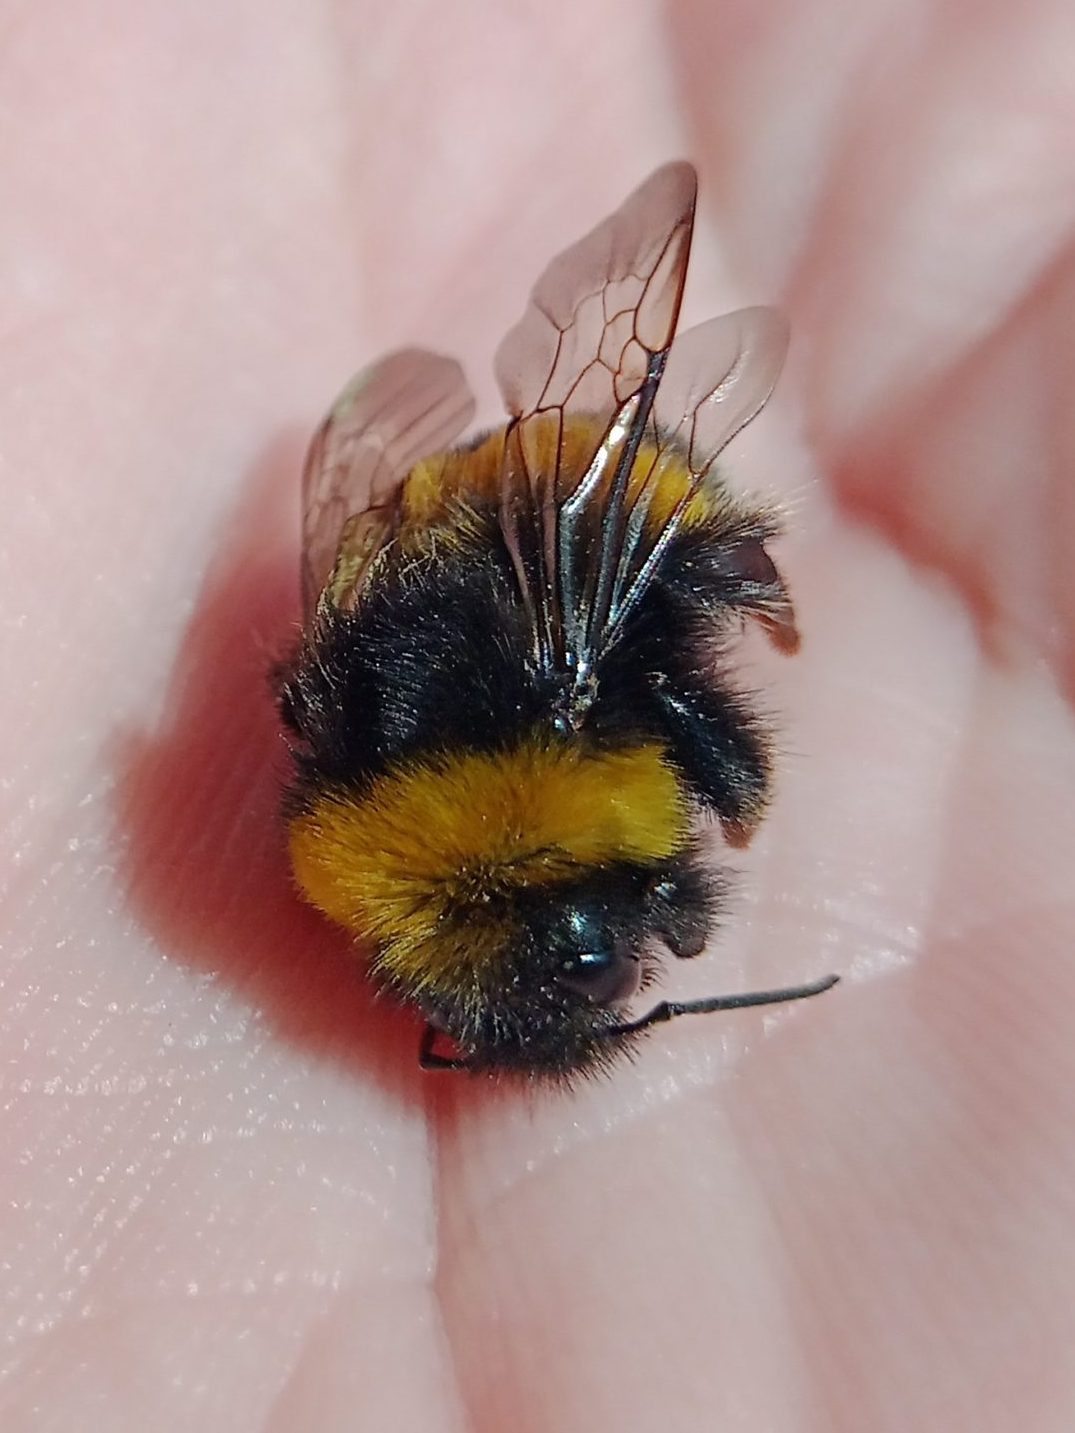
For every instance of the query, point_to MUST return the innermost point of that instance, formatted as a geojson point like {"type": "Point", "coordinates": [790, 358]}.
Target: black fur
{"type": "Point", "coordinates": [438, 657]}
{"type": "Point", "coordinates": [435, 658]}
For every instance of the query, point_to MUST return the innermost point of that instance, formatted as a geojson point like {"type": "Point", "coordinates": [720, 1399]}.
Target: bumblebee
{"type": "Point", "coordinates": [510, 706]}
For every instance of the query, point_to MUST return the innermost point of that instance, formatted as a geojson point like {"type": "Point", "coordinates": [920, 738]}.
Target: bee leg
{"type": "Point", "coordinates": [428, 1059]}
{"type": "Point", "coordinates": [756, 586]}
{"type": "Point", "coordinates": [721, 751]}
{"type": "Point", "coordinates": [672, 1009]}
{"type": "Point", "coordinates": [718, 574]}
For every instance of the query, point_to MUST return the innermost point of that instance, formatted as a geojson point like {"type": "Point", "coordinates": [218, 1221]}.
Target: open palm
{"type": "Point", "coordinates": [229, 1199]}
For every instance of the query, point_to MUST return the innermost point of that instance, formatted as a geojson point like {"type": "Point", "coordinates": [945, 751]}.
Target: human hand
{"type": "Point", "coordinates": [231, 1199]}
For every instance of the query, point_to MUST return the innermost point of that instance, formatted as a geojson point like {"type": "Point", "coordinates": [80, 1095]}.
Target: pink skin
{"type": "Point", "coordinates": [229, 1200]}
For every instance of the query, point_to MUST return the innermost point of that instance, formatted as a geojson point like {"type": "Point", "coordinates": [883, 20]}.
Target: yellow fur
{"type": "Point", "coordinates": [410, 863]}
{"type": "Point", "coordinates": [436, 486]}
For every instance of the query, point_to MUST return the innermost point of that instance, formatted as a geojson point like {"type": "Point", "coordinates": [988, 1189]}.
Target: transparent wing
{"type": "Point", "coordinates": [402, 409]}
{"type": "Point", "coordinates": [718, 377]}
{"type": "Point", "coordinates": [605, 305]}
{"type": "Point", "coordinates": [591, 342]}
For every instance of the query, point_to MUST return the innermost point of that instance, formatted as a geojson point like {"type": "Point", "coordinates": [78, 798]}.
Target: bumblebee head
{"type": "Point", "coordinates": [553, 1001]}
{"type": "Point", "coordinates": [550, 1000]}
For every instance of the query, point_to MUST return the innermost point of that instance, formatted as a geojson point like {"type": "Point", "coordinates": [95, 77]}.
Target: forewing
{"type": "Point", "coordinates": [599, 318]}
{"type": "Point", "coordinates": [604, 306]}
{"type": "Point", "coordinates": [409, 405]}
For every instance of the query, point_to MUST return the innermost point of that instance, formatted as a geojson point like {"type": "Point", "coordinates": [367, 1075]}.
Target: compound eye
{"type": "Point", "coordinates": [603, 977]}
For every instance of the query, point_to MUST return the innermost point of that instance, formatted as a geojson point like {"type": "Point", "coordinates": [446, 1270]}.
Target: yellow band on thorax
{"type": "Point", "coordinates": [438, 837]}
